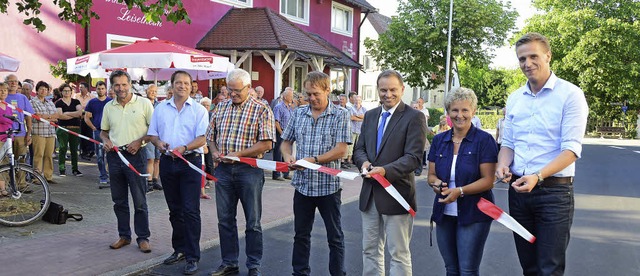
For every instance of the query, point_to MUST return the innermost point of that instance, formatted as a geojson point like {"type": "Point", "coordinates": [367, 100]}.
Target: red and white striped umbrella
{"type": "Point", "coordinates": [8, 64]}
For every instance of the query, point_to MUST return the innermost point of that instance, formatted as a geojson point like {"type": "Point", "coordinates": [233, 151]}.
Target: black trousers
{"type": "Point", "coordinates": [86, 147]}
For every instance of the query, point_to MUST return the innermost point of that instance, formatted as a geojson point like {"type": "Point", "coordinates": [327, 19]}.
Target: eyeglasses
{"type": "Point", "coordinates": [12, 81]}
{"type": "Point", "coordinates": [66, 90]}
{"type": "Point", "coordinates": [237, 91]}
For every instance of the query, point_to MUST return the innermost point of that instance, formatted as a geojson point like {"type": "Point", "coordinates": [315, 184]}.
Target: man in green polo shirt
{"type": "Point", "coordinates": [125, 121]}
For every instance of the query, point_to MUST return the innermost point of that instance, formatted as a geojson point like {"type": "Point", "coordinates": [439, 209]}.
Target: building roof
{"type": "Point", "coordinates": [364, 5]}
{"type": "Point", "coordinates": [343, 59]}
{"type": "Point", "coordinates": [379, 22]}
{"type": "Point", "coordinates": [260, 29]}
{"type": "Point", "coordinates": [264, 29]}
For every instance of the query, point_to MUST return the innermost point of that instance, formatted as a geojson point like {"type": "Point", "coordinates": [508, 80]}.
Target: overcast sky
{"type": "Point", "coordinates": [504, 56]}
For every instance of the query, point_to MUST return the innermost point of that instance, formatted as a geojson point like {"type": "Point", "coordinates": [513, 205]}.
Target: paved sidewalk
{"type": "Point", "coordinates": [82, 248]}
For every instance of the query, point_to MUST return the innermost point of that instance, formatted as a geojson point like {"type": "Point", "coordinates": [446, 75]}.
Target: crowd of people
{"type": "Point", "coordinates": [537, 144]}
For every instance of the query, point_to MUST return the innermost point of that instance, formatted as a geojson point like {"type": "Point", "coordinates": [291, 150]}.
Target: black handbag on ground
{"type": "Point", "coordinates": [56, 214]}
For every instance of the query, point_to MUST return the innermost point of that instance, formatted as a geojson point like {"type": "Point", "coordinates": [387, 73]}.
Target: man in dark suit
{"type": "Point", "coordinates": [390, 144]}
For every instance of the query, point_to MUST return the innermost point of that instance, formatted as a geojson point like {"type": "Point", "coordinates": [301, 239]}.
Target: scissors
{"type": "Point", "coordinates": [436, 186]}
{"type": "Point", "coordinates": [500, 179]}
{"type": "Point", "coordinates": [364, 173]}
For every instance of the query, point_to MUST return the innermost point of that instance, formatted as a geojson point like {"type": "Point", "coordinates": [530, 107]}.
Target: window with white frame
{"type": "Point", "coordinates": [369, 93]}
{"type": "Point", "coordinates": [115, 41]}
{"type": "Point", "coordinates": [295, 10]}
{"type": "Point", "coordinates": [236, 3]}
{"type": "Point", "coordinates": [369, 63]}
{"type": "Point", "coordinates": [297, 73]}
{"type": "Point", "coordinates": [337, 79]}
{"type": "Point", "coordinates": [341, 19]}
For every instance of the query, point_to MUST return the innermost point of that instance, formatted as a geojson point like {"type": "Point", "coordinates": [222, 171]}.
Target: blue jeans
{"type": "Point", "coordinates": [241, 182]}
{"type": "Point", "coordinates": [181, 186]}
{"type": "Point", "coordinates": [304, 209]}
{"type": "Point", "coordinates": [100, 156]}
{"type": "Point", "coordinates": [547, 212]}
{"type": "Point", "coordinates": [277, 156]}
{"type": "Point", "coordinates": [123, 180]}
{"type": "Point", "coordinates": [461, 246]}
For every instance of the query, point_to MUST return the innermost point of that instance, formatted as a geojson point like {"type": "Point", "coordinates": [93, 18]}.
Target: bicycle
{"type": "Point", "coordinates": [28, 191]}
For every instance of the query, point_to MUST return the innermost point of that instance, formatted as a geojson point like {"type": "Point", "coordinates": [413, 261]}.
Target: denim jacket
{"type": "Point", "coordinates": [476, 148]}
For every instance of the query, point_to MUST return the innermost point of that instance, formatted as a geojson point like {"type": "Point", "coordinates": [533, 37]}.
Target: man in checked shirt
{"type": "Point", "coordinates": [241, 127]}
{"type": "Point", "coordinates": [321, 131]}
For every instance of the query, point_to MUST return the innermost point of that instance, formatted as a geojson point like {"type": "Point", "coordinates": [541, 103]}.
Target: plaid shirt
{"type": "Point", "coordinates": [282, 113]}
{"type": "Point", "coordinates": [316, 137]}
{"type": "Point", "coordinates": [43, 108]}
{"type": "Point", "coordinates": [235, 128]}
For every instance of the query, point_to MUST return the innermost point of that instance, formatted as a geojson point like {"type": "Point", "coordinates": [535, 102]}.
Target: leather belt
{"type": "Point", "coordinates": [186, 156]}
{"type": "Point", "coordinates": [551, 180]}
{"type": "Point", "coordinates": [554, 180]}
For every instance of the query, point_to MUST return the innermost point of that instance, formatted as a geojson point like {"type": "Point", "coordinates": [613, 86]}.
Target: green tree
{"type": "Point", "coordinates": [492, 86]}
{"type": "Point", "coordinates": [416, 40]}
{"type": "Point", "coordinates": [595, 46]}
{"type": "Point", "coordinates": [79, 11]}
{"type": "Point", "coordinates": [59, 70]}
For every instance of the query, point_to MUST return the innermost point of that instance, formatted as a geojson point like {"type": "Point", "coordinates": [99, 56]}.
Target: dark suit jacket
{"type": "Point", "coordinates": [400, 154]}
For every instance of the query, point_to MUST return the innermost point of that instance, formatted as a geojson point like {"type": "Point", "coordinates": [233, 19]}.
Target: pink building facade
{"type": "Point", "coordinates": [335, 21]}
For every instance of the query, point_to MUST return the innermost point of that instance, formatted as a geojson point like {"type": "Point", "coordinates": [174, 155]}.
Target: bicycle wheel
{"type": "Point", "coordinates": [34, 196]}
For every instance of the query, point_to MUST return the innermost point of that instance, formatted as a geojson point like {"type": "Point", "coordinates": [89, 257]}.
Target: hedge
{"type": "Point", "coordinates": [489, 121]}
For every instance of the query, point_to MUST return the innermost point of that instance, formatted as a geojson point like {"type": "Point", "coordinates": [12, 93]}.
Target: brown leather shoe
{"type": "Point", "coordinates": [144, 246]}
{"type": "Point", "coordinates": [119, 243]}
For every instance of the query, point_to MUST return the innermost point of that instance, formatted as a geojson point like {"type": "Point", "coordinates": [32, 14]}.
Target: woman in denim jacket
{"type": "Point", "coordinates": [462, 163]}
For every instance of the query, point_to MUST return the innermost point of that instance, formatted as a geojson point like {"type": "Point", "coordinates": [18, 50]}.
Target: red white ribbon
{"type": "Point", "coordinates": [284, 167]}
{"type": "Point", "coordinates": [203, 179]}
{"type": "Point", "coordinates": [126, 162]}
{"type": "Point", "coordinates": [500, 216]}
{"type": "Point", "coordinates": [327, 170]}
{"type": "Point", "coordinates": [122, 158]}
{"type": "Point", "coordinates": [393, 192]}
{"type": "Point", "coordinates": [260, 163]}
{"type": "Point", "coordinates": [194, 167]}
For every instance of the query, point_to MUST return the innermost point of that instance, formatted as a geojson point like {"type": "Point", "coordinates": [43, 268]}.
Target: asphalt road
{"type": "Point", "coordinates": [605, 239]}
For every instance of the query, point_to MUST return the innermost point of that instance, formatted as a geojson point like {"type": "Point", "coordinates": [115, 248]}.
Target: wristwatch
{"type": "Point", "coordinates": [539, 175]}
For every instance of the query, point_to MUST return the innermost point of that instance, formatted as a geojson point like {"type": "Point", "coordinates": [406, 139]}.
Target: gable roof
{"type": "Point", "coordinates": [260, 29]}
{"type": "Point", "coordinates": [343, 59]}
{"type": "Point", "coordinates": [379, 22]}
{"type": "Point", "coordinates": [363, 5]}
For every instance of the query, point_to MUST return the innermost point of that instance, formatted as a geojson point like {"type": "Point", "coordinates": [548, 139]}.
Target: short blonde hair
{"type": "Point", "coordinates": [461, 94]}
{"type": "Point", "coordinates": [319, 80]}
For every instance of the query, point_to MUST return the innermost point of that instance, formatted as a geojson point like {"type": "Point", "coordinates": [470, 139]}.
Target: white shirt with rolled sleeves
{"type": "Point", "coordinates": [539, 127]}
{"type": "Point", "coordinates": [179, 128]}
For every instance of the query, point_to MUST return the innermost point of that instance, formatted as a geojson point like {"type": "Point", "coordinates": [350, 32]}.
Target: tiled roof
{"type": "Point", "coordinates": [379, 22]}
{"type": "Point", "coordinates": [364, 5]}
{"type": "Point", "coordinates": [260, 29]}
{"type": "Point", "coordinates": [343, 59]}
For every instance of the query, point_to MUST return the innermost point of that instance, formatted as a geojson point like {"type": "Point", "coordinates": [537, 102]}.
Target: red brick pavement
{"type": "Point", "coordinates": [81, 248]}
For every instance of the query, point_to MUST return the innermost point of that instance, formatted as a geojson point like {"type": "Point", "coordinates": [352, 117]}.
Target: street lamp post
{"type": "Point", "coordinates": [448, 64]}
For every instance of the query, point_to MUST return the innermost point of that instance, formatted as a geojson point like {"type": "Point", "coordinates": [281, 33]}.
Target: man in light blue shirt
{"type": "Point", "coordinates": [180, 124]}
{"type": "Point", "coordinates": [543, 130]}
